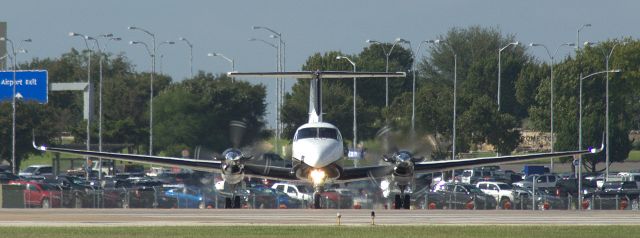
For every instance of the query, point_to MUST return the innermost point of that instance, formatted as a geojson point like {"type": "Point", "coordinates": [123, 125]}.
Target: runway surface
{"type": "Point", "coordinates": [195, 217]}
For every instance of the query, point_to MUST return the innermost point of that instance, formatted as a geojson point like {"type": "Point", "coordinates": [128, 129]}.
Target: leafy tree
{"type": "Point", "coordinates": [623, 91]}
{"type": "Point", "coordinates": [478, 118]}
{"type": "Point", "coordinates": [31, 117]}
{"type": "Point", "coordinates": [197, 112]}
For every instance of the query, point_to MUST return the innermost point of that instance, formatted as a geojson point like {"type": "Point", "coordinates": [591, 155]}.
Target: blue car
{"type": "Point", "coordinates": [191, 197]}
{"type": "Point", "coordinates": [264, 197]}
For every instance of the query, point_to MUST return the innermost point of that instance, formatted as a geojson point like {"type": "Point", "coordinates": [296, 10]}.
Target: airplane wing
{"type": "Point", "coordinates": [255, 170]}
{"type": "Point", "coordinates": [363, 173]}
{"type": "Point", "coordinates": [433, 166]}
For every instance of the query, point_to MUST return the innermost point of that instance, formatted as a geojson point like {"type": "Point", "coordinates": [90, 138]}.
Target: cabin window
{"type": "Point", "coordinates": [318, 132]}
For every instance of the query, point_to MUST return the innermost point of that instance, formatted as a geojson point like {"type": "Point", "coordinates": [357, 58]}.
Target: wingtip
{"type": "Point", "coordinates": [33, 143]}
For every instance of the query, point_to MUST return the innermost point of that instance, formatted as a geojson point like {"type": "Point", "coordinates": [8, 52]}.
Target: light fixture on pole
{"type": "Point", "coordinates": [190, 53]}
{"type": "Point", "coordinates": [231, 61]}
{"type": "Point", "coordinates": [153, 72]}
{"type": "Point", "coordinates": [355, 125]}
{"type": "Point", "coordinates": [455, 90]}
{"type": "Point", "coordinates": [607, 58]}
{"type": "Point", "coordinates": [500, 73]}
{"type": "Point", "coordinates": [552, 57]}
{"type": "Point", "coordinates": [162, 55]}
{"type": "Point", "coordinates": [89, 89]}
{"type": "Point", "coordinates": [580, 127]}
{"type": "Point", "coordinates": [387, 54]}
{"type": "Point", "coordinates": [277, 105]}
{"type": "Point", "coordinates": [413, 90]}
{"type": "Point", "coordinates": [578, 34]}
{"type": "Point", "coordinates": [14, 60]}
{"type": "Point", "coordinates": [279, 81]}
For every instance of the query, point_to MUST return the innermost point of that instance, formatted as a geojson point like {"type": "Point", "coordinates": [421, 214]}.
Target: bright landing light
{"type": "Point", "coordinates": [317, 176]}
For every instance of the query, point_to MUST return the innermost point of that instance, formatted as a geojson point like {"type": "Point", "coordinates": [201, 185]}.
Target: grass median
{"type": "Point", "coordinates": [457, 231]}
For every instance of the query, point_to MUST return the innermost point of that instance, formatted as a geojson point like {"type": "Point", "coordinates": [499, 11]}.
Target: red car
{"type": "Point", "coordinates": [40, 194]}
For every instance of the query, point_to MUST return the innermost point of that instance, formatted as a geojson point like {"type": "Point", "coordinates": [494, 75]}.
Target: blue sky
{"type": "Point", "coordinates": [306, 26]}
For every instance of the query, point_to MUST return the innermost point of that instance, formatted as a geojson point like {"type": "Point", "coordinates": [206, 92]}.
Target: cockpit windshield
{"type": "Point", "coordinates": [318, 132]}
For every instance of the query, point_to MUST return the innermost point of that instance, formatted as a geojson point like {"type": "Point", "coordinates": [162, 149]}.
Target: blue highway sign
{"type": "Point", "coordinates": [31, 85]}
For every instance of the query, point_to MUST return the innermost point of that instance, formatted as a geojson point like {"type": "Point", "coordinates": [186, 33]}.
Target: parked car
{"type": "Point", "coordinates": [141, 193]}
{"type": "Point", "coordinates": [337, 198]}
{"type": "Point", "coordinates": [299, 192]}
{"type": "Point", "coordinates": [466, 196]}
{"type": "Point", "coordinates": [40, 194]}
{"type": "Point", "coordinates": [36, 170]}
{"type": "Point", "coordinates": [261, 196]}
{"type": "Point", "coordinates": [190, 197]}
{"type": "Point", "coordinates": [613, 195]}
{"type": "Point", "coordinates": [500, 191]}
{"type": "Point", "coordinates": [6, 177]}
{"type": "Point", "coordinates": [541, 181]}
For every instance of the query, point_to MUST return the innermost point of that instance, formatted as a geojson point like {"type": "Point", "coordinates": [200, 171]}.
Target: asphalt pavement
{"type": "Point", "coordinates": [196, 217]}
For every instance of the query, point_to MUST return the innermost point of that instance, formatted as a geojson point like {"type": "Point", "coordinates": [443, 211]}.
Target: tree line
{"type": "Point", "coordinates": [196, 112]}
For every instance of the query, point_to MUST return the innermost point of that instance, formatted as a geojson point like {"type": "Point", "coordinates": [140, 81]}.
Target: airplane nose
{"type": "Point", "coordinates": [318, 155]}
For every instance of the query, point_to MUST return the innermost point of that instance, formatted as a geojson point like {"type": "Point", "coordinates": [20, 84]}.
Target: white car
{"type": "Point", "coordinates": [299, 192]}
{"type": "Point", "coordinates": [37, 170]}
{"type": "Point", "coordinates": [502, 192]}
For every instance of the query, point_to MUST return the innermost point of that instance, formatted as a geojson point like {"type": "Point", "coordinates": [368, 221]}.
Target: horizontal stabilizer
{"type": "Point", "coordinates": [322, 74]}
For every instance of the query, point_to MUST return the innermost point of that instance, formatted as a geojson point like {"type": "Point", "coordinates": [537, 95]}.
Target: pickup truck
{"type": "Point", "coordinates": [502, 192]}
{"type": "Point", "coordinates": [299, 192]}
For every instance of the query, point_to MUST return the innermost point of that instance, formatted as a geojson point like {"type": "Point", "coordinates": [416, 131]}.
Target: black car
{"type": "Point", "coordinates": [5, 177]}
{"type": "Point", "coordinates": [613, 195]}
{"type": "Point", "coordinates": [466, 196]}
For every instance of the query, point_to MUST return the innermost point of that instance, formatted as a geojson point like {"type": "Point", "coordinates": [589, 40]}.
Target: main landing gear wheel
{"type": "Point", "coordinates": [227, 203]}
{"type": "Point", "coordinates": [397, 202]}
{"type": "Point", "coordinates": [236, 202]}
{"type": "Point", "coordinates": [316, 200]}
{"type": "Point", "coordinates": [406, 203]}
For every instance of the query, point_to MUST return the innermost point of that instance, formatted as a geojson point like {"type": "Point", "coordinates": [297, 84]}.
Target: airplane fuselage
{"type": "Point", "coordinates": [317, 144]}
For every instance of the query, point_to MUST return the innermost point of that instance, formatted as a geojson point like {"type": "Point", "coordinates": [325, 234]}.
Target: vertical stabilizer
{"type": "Point", "coordinates": [315, 99]}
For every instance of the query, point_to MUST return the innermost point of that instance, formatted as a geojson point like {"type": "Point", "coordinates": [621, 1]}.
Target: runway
{"type": "Point", "coordinates": [195, 217]}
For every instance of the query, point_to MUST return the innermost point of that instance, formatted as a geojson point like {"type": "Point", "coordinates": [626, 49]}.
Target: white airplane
{"type": "Point", "coordinates": [317, 149]}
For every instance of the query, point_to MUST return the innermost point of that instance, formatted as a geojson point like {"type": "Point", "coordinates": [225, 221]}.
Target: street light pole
{"type": "Point", "coordinates": [162, 55]}
{"type": "Point", "coordinates": [578, 34]}
{"type": "Point", "coordinates": [279, 81]}
{"type": "Point", "coordinates": [500, 74]}
{"type": "Point", "coordinates": [413, 92]}
{"type": "Point", "coordinates": [386, 54]}
{"type": "Point", "coordinates": [355, 125]}
{"type": "Point", "coordinates": [13, 106]}
{"type": "Point", "coordinates": [89, 89]}
{"type": "Point", "coordinates": [190, 54]}
{"type": "Point", "coordinates": [607, 58]}
{"type": "Point", "coordinates": [231, 61]}
{"type": "Point", "coordinates": [552, 57]}
{"type": "Point", "coordinates": [580, 128]}
{"type": "Point", "coordinates": [277, 137]}
{"type": "Point", "coordinates": [153, 71]}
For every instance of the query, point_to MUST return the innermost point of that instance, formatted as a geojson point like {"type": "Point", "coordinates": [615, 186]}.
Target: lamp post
{"type": "Point", "coordinates": [13, 101]}
{"type": "Point", "coordinates": [89, 89]}
{"type": "Point", "coordinates": [279, 81]}
{"type": "Point", "coordinates": [108, 36]}
{"type": "Point", "coordinates": [578, 34]}
{"type": "Point", "coordinates": [153, 71]}
{"type": "Point", "coordinates": [190, 53]}
{"type": "Point", "coordinates": [162, 55]}
{"type": "Point", "coordinates": [413, 90]}
{"type": "Point", "coordinates": [500, 67]}
{"type": "Point", "coordinates": [580, 128]}
{"type": "Point", "coordinates": [455, 89]}
{"type": "Point", "coordinates": [552, 57]}
{"type": "Point", "coordinates": [231, 61]}
{"type": "Point", "coordinates": [277, 137]}
{"type": "Point", "coordinates": [355, 125]}
{"type": "Point", "coordinates": [607, 58]}
{"type": "Point", "coordinates": [387, 54]}
{"type": "Point", "coordinates": [500, 73]}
